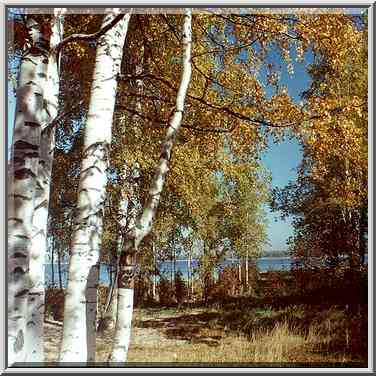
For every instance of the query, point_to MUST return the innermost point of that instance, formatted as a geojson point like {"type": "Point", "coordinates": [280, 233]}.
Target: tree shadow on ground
{"type": "Point", "coordinates": [247, 316]}
{"type": "Point", "coordinates": [192, 328]}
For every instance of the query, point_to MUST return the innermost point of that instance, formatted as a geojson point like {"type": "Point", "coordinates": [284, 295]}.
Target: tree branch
{"type": "Point", "coordinates": [219, 108]}
{"type": "Point", "coordinates": [89, 37]}
{"type": "Point", "coordinates": [61, 116]}
{"type": "Point", "coordinates": [165, 19]}
{"type": "Point", "coordinates": [183, 125]}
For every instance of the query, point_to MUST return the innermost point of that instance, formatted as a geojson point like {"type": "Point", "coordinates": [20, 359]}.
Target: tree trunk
{"type": "Point", "coordinates": [109, 318]}
{"type": "Point", "coordinates": [189, 276]}
{"type": "Point", "coordinates": [144, 222]}
{"type": "Point", "coordinates": [191, 273]}
{"type": "Point", "coordinates": [86, 239]}
{"type": "Point", "coordinates": [91, 311]}
{"type": "Point", "coordinates": [363, 233]}
{"type": "Point", "coordinates": [59, 269]}
{"type": "Point", "coordinates": [32, 113]}
{"type": "Point", "coordinates": [240, 272]}
{"type": "Point", "coordinates": [35, 330]}
{"type": "Point", "coordinates": [35, 333]}
{"type": "Point", "coordinates": [172, 272]}
{"type": "Point", "coordinates": [246, 272]}
{"type": "Point", "coordinates": [52, 265]}
{"type": "Point", "coordinates": [155, 273]}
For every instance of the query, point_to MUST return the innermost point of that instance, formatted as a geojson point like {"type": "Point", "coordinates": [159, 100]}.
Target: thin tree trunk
{"type": "Point", "coordinates": [174, 270]}
{"type": "Point", "coordinates": [240, 271]}
{"type": "Point", "coordinates": [144, 223]}
{"type": "Point", "coordinates": [52, 265]}
{"type": "Point", "coordinates": [111, 304]}
{"type": "Point", "coordinates": [246, 272]}
{"type": "Point", "coordinates": [155, 273]}
{"type": "Point", "coordinates": [362, 233]}
{"type": "Point", "coordinates": [171, 272]}
{"type": "Point", "coordinates": [59, 269]}
{"type": "Point", "coordinates": [86, 239]}
{"type": "Point", "coordinates": [189, 275]}
{"type": "Point", "coordinates": [33, 111]}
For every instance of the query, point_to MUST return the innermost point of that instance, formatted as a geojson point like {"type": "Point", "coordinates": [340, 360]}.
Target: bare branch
{"type": "Point", "coordinates": [183, 125]}
{"type": "Point", "coordinates": [89, 37]}
{"type": "Point", "coordinates": [165, 19]}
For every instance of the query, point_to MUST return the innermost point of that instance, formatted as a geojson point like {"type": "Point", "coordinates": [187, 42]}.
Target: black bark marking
{"type": "Point", "coordinates": [31, 83]}
{"type": "Point", "coordinates": [22, 237]}
{"type": "Point", "coordinates": [90, 168]}
{"type": "Point", "coordinates": [19, 254]}
{"type": "Point", "coordinates": [21, 293]}
{"type": "Point", "coordinates": [42, 75]}
{"type": "Point", "coordinates": [15, 318]}
{"type": "Point", "coordinates": [20, 156]}
{"type": "Point", "coordinates": [20, 144]}
{"type": "Point", "coordinates": [18, 272]}
{"type": "Point", "coordinates": [18, 345]}
{"type": "Point", "coordinates": [43, 204]}
{"type": "Point", "coordinates": [29, 60]}
{"type": "Point", "coordinates": [30, 123]}
{"type": "Point", "coordinates": [18, 160]}
{"type": "Point", "coordinates": [23, 173]}
{"type": "Point", "coordinates": [164, 155]}
{"type": "Point", "coordinates": [18, 220]}
{"type": "Point", "coordinates": [35, 293]}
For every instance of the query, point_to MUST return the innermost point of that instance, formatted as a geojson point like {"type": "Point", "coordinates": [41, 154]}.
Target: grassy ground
{"type": "Point", "coordinates": [293, 335]}
{"type": "Point", "coordinates": [282, 326]}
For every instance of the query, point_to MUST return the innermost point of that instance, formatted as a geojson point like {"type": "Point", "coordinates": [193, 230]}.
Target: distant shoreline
{"type": "Point", "coordinates": [186, 260]}
{"type": "Point", "coordinates": [230, 260]}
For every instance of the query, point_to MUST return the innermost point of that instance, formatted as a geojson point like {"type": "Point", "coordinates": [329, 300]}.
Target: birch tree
{"type": "Point", "coordinates": [144, 222]}
{"type": "Point", "coordinates": [35, 108]}
{"type": "Point", "coordinates": [34, 332]}
{"type": "Point", "coordinates": [86, 240]}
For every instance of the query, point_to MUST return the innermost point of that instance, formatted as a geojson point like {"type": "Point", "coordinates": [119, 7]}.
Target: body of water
{"type": "Point", "coordinates": [165, 267]}
{"type": "Point", "coordinates": [263, 265]}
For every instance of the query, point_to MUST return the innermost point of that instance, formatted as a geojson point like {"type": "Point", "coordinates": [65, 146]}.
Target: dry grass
{"type": "Point", "coordinates": [280, 345]}
{"type": "Point", "coordinates": [197, 336]}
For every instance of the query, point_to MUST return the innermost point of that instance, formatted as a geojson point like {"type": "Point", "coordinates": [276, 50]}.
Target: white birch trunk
{"type": "Point", "coordinates": [86, 239]}
{"type": "Point", "coordinates": [123, 325]}
{"type": "Point", "coordinates": [91, 311]}
{"type": "Point", "coordinates": [144, 223]}
{"type": "Point", "coordinates": [34, 340]}
{"type": "Point", "coordinates": [30, 116]}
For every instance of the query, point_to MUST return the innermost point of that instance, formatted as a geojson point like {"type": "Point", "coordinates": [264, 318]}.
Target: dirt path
{"type": "Point", "coordinates": [154, 332]}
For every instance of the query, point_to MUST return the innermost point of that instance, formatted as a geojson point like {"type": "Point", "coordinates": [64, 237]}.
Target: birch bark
{"type": "Point", "coordinates": [34, 332]}
{"type": "Point", "coordinates": [144, 222]}
{"type": "Point", "coordinates": [32, 112]}
{"type": "Point", "coordinates": [86, 239]}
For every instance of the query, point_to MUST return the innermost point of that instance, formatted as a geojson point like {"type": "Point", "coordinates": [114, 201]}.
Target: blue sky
{"type": "Point", "coordinates": [282, 159]}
